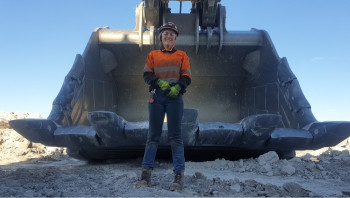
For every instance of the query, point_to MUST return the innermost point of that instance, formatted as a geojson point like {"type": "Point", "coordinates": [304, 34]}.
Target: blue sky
{"type": "Point", "coordinates": [40, 38]}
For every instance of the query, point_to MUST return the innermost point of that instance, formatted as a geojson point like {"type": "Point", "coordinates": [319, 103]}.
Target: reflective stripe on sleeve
{"type": "Point", "coordinates": [186, 71]}
{"type": "Point", "coordinates": [147, 69]}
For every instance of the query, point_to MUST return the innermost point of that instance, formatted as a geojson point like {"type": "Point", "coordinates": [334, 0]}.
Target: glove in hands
{"type": "Point", "coordinates": [164, 85]}
{"type": "Point", "coordinates": [174, 91]}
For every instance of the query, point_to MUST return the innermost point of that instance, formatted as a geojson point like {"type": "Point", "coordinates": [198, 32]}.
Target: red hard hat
{"type": "Point", "coordinates": [169, 26]}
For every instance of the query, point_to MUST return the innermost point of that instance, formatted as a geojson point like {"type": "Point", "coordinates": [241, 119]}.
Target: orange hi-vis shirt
{"type": "Point", "coordinates": [168, 66]}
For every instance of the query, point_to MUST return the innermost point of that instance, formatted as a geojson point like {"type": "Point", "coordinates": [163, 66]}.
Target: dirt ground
{"type": "Point", "coordinates": [31, 169]}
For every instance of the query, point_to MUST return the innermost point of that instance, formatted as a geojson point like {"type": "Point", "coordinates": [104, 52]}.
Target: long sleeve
{"type": "Point", "coordinates": [150, 79]}
{"type": "Point", "coordinates": [185, 78]}
{"type": "Point", "coordinates": [148, 72]}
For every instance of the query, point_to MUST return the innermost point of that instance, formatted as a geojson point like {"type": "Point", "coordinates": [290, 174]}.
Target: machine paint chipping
{"type": "Point", "coordinates": [252, 102]}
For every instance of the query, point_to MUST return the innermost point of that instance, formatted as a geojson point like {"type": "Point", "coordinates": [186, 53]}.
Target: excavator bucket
{"type": "Point", "coordinates": [244, 98]}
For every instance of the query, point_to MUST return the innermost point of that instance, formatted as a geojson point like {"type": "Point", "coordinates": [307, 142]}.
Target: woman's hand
{"type": "Point", "coordinates": [174, 91]}
{"type": "Point", "coordinates": [164, 85]}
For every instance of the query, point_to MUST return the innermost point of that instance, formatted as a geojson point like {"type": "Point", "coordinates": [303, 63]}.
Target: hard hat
{"type": "Point", "coordinates": [169, 26]}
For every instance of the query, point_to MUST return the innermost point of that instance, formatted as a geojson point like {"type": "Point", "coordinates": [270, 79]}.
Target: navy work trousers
{"type": "Point", "coordinates": [173, 107]}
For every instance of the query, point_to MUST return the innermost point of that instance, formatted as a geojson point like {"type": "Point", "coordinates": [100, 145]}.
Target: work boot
{"type": "Point", "coordinates": [178, 182]}
{"type": "Point", "coordinates": [145, 178]}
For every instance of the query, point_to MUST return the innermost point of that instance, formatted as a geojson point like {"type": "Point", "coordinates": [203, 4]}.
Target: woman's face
{"type": "Point", "coordinates": [168, 38]}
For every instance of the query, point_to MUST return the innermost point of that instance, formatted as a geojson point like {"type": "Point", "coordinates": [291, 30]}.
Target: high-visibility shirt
{"type": "Point", "coordinates": [168, 65]}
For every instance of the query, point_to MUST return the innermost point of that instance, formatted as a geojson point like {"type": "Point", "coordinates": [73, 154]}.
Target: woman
{"type": "Point", "coordinates": [167, 72]}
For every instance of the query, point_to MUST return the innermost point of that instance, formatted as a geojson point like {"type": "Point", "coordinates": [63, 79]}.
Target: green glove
{"type": "Point", "coordinates": [174, 91]}
{"type": "Point", "coordinates": [164, 85]}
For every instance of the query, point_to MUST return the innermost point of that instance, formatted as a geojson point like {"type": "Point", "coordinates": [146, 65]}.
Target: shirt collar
{"type": "Point", "coordinates": [172, 50]}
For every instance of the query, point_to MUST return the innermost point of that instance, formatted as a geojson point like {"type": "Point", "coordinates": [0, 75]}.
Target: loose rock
{"type": "Point", "coordinates": [269, 157]}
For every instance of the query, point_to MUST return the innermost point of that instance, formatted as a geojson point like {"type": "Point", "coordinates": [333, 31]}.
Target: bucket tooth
{"type": "Point", "coordinates": [36, 130]}
{"type": "Point", "coordinates": [109, 127]}
{"type": "Point", "coordinates": [283, 139]}
{"type": "Point", "coordinates": [257, 129]}
{"type": "Point", "coordinates": [219, 134]}
{"type": "Point", "coordinates": [77, 136]}
{"type": "Point", "coordinates": [326, 134]}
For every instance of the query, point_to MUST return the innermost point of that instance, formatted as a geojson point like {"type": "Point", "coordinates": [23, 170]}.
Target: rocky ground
{"type": "Point", "coordinates": [31, 169]}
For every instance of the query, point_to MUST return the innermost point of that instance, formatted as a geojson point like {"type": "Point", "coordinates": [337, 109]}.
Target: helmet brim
{"type": "Point", "coordinates": [176, 32]}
